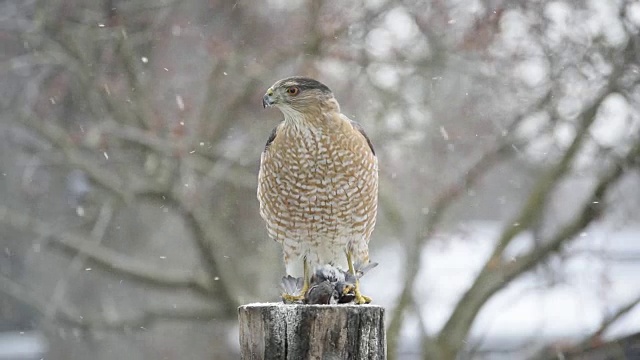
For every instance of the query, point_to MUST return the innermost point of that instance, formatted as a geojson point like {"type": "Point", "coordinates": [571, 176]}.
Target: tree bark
{"type": "Point", "coordinates": [281, 331]}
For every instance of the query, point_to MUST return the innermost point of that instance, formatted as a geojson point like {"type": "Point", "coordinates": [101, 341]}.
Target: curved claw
{"type": "Point", "coordinates": [293, 293]}
{"type": "Point", "coordinates": [288, 298]}
{"type": "Point", "coordinates": [357, 272]}
{"type": "Point", "coordinates": [362, 299]}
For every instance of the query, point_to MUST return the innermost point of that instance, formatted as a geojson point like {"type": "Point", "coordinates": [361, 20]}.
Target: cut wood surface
{"type": "Point", "coordinates": [288, 331]}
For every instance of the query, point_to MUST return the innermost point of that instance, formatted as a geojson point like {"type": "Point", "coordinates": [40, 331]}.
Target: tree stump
{"type": "Point", "coordinates": [283, 331]}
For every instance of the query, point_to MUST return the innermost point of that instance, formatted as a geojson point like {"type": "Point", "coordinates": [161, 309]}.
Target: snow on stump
{"type": "Point", "coordinates": [290, 331]}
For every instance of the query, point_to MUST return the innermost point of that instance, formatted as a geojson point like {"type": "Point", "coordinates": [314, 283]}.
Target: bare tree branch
{"type": "Point", "coordinates": [594, 338]}
{"type": "Point", "coordinates": [126, 187]}
{"type": "Point", "coordinates": [592, 208]}
{"type": "Point", "coordinates": [204, 240]}
{"type": "Point", "coordinates": [608, 322]}
{"type": "Point", "coordinates": [148, 317]}
{"type": "Point", "coordinates": [58, 137]}
{"type": "Point", "coordinates": [440, 206]}
{"type": "Point", "coordinates": [143, 111]}
{"type": "Point", "coordinates": [495, 274]}
{"type": "Point", "coordinates": [22, 295]}
{"type": "Point", "coordinates": [78, 261]}
{"type": "Point", "coordinates": [116, 263]}
{"type": "Point", "coordinates": [68, 315]}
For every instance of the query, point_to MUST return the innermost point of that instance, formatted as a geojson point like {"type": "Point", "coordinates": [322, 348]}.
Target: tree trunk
{"type": "Point", "coordinates": [279, 331]}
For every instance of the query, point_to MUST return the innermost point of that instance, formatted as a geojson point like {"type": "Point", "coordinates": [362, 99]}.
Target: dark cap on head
{"type": "Point", "coordinates": [304, 83]}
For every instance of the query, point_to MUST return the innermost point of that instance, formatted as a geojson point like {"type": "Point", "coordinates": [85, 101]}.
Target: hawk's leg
{"type": "Point", "coordinates": [360, 299]}
{"type": "Point", "coordinates": [292, 298]}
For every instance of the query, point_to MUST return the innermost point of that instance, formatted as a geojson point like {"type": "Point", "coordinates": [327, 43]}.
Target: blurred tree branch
{"type": "Point", "coordinates": [116, 263]}
{"type": "Point", "coordinates": [70, 316]}
{"type": "Point", "coordinates": [496, 274]}
{"type": "Point", "coordinates": [130, 183]}
{"type": "Point", "coordinates": [78, 261]}
{"type": "Point", "coordinates": [436, 212]}
{"type": "Point", "coordinates": [126, 187]}
{"type": "Point", "coordinates": [608, 321]}
{"type": "Point", "coordinates": [594, 338]}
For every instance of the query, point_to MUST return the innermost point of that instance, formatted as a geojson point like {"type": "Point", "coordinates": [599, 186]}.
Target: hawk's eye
{"type": "Point", "coordinates": [293, 90]}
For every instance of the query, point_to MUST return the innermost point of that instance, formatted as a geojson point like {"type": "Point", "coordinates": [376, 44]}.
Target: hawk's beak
{"type": "Point", "coordinates": [268, 99]}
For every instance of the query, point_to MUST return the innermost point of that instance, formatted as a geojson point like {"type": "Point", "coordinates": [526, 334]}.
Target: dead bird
{"type": "Point", "coordinates": [328, 284]}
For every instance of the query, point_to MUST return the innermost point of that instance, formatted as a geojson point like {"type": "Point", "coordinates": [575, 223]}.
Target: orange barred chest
{"type": "Point", "coordinates": [318, 186]}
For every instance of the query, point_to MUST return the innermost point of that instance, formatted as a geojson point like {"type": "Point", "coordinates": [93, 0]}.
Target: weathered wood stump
{"type": "Point", "coordinates": [281, 331]}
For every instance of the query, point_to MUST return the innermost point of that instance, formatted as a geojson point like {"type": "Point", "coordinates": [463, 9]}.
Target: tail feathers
{"type": "Point", "coordinates": [291, 285]}
{"type": "Point", "coordinates": [362, 269]}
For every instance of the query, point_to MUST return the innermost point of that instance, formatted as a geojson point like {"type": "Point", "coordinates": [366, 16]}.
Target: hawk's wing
{"type": "Point", "coordinates": [272, 137]}
{"type": "Point", "coordinates": [359, 127]}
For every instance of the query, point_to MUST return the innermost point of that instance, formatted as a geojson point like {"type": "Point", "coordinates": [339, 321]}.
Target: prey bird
{"type": "Point", "coordinates": [318, 183]}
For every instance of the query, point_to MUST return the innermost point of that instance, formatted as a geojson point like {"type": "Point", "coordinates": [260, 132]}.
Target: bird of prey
{"type": "Point", "coordinates": [318, 182]}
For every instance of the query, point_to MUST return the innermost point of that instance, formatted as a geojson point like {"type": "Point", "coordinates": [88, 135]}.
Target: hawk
{"type": "Point", "coordinates": [318, 182]}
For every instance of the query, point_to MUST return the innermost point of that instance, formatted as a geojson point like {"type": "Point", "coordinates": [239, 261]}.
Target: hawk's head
{"type": "Point", "coordinates": [297, 94]}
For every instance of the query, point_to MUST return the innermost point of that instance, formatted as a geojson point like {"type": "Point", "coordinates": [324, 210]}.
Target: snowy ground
{"type": "Point", "coordinates": [22, 345]}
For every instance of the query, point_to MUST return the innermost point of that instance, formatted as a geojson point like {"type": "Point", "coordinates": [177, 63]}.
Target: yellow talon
{"type": "Point", "coordinates": [288, 298]}
{"type": "Point", "coordinates": [360, 299]}
{"type": "Point", "coordinates": [305, 287]}
{"type": "Point", "coordinates": [363, 300]}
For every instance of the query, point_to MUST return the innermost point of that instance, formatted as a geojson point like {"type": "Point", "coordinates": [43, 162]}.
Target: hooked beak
{"type": "Point", "coordinates": [268, 99]}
